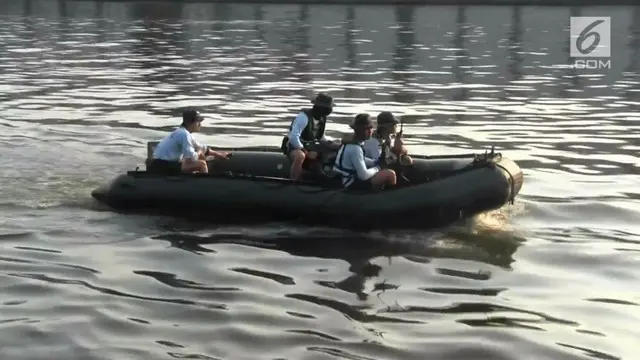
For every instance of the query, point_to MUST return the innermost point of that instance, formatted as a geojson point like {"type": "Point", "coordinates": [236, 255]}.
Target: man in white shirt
{"type": "Point", "coordinates": [381, 139]}
{"type": "Point", "coordinates": [179, 152]}
{"type": "Point", "coordinates": [352, 164]}
{"type": "Point", "coordinates": [306, 128]}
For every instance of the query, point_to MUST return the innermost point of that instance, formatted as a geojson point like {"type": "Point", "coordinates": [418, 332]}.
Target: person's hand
{"type": "Point", "coordinates": [398, 143]}
{"type": "Point", "coordinates": [223, 155]}
{"type": "Point", "coordinates": [312, 155]}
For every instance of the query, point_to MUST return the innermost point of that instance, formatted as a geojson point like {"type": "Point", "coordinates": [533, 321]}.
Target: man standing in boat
{"type": "Point", "coordinates": [352, 164]}
{"type": "Point", "coordinates": [308, 127]}
{"type": "Point", "coordinates": [379, 145]}
{"type": "Point", "coordinates": [179, 152]}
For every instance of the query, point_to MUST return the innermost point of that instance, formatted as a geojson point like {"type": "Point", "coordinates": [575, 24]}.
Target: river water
{"type": "Point", "coordinates": [85, 85]}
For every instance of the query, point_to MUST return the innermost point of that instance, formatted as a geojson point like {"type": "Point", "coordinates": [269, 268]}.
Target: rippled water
{"type": "Point", "coordinates": [84, 85]}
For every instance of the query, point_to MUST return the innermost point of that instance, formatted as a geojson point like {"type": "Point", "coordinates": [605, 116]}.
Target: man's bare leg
{"type": "Point", "coordinates": [193, 166]}
{"type": "Point", "coordinates": [297, 158]}
{"type": "Point", "coordinates": [384, 177]}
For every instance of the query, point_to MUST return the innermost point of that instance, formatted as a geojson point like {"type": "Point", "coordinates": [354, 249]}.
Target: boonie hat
{"type": "Point", "coordinates": [362, 121]}
{"type": "Point", "coordinates": [386, 118]}
{"type": "Point", "coordinates": [323, 100]}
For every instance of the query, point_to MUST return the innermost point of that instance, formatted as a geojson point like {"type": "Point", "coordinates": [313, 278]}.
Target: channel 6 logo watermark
{"type": "Point", "coordinates": [590, 39]}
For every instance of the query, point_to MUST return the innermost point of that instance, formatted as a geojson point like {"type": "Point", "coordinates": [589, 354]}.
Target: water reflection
{"type": "Point", "coordinates": [64, 16]}
{"type": "Point", "coordinates": [102, 28]}
{"type": "Point", "coordinates": [571, 79]}
{"type": "Point", "coordinates": [632, 74]}
{"type": "Point", "coordinates": [148, 59]}
{"type": "Point", "coordinates": [351, 52]}
{"type": "Point", "coordinates": [157, 12]}
{"type": "Point", "coordinates": [158, 37]}
{"type": "Point", "coordinates": [100, 11]}
{"type": "Point", "coordinates": [28, 20]}
{"type": "Point", "coordinates": [302, 46]}
{"type": "Point", "coordinates": [166, 55]}
{"type": "Point", "coordinates": [515, 55]}
{"type": "Point", "coordinates": [359, 250]}
{"type": "Point", "coordinates": [403, 58]}
{"type": "Point", "coordinates": [462, 63]}
{"type": "Point", "coordinates": [221, 14]}
{"type": "Point", "coordinates": [259, 28]}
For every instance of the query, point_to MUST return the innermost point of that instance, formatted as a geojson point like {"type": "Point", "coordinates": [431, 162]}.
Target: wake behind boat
{"type": "Point", "coordinates": [253, 185]}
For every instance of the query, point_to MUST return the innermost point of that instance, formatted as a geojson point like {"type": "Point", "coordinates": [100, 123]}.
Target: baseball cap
{"type": "Point", "coordinates": [191, 116]}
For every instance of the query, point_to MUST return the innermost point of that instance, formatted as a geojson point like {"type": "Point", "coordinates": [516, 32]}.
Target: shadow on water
{"type": "Point", "coordinates": [404, 55]}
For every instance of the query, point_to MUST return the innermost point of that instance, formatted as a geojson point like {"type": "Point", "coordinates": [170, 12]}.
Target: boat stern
{"type": "Point", "coordinates": [101, 193]}
{"type": "Point", "coordinates": [513, 174]}
{"type": "Point", "coordinates": [111, 193]}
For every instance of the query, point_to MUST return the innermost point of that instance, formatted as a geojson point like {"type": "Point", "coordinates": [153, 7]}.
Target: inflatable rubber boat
{"type": "Point", "coordinates": [253, 185]}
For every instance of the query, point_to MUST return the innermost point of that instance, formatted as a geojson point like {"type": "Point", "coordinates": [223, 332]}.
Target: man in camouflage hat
{"type": "Point", "coordinates": [380, 142]}
{"type": "Point", "coordinates": [358, 171]}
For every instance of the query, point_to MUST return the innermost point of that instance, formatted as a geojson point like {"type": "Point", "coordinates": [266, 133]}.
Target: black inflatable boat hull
{"type": "Point", "coordinates": [257, 190]}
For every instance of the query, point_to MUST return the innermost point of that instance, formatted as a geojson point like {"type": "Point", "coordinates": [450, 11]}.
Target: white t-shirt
{"type": "Point", "coordinates": [180, 143]}
{"type": "Point", "coordinates": [354, 164]}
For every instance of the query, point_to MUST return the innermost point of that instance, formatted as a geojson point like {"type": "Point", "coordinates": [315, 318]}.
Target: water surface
{"type": "Point", "coordinates": [84, 85]}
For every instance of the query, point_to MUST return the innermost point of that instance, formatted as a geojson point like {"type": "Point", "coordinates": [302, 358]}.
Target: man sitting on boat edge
{"type": "Point", "coordinates": [179, 152]}
{"type": "Point", "coordinates": [352, 164]}
{"type": "Point", "coordinates": [378, 146]}
{"type": "Point", "coordinates": [307, 127]}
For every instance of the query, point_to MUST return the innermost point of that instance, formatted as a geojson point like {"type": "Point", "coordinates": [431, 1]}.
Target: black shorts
{"type": "Point", "coordinates": [159, 166]}
{"type": "Point", "coordinates": [358, 184]}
